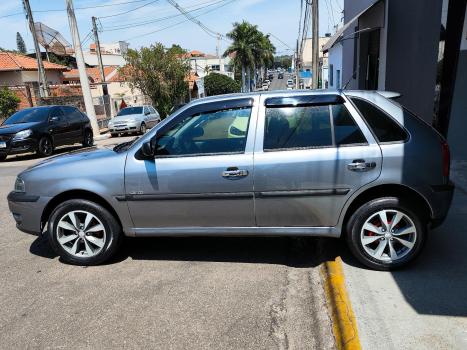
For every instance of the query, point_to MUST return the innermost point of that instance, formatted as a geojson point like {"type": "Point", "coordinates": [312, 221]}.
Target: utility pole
{"type": "Point", "coordinates": [43, 89]}
{"type": "Point", "coordinates": [105, 92]}
{"type": "Point", "coordinates": [297, 68]}
{"type": "Point", "coordinates": [83, 77]}
{"type": "Point", "coordinates": [315, 42]}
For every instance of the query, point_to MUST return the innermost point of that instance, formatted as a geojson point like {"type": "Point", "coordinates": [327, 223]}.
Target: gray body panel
{"type": "Point", "coordinates": [295, 192]}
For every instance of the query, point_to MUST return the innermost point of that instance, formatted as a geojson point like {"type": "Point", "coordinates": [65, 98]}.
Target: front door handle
{"type": "Point", "coordinates": [361, 165]}
{"type": "Point", "coordinates": [234, 173]}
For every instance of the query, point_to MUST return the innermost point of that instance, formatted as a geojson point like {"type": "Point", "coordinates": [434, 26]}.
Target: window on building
{"type": "Point", "coordinates": [384, 127]}
{"type": "Point", "coordinates": [215, 67]}
{"type": "Point", "coordinates": [331, 75]}
{"type": "Point", "coordinates": [338, 78]}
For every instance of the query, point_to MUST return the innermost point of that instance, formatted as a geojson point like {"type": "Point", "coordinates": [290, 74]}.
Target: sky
{"type": "Point", "coordinates": [149, 24]}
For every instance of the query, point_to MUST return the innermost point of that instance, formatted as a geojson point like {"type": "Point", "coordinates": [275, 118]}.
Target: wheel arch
{"type": "Point", "coordinates": [388, 190]}
{"type": "Point", "coordinates": [76, 194]}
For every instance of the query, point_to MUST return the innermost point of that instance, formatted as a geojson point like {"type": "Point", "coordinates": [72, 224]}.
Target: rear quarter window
{"type": "Point", "coordinates": [385, 128]}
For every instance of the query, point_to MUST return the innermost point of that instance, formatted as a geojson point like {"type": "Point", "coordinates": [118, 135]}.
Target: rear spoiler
{"type": "Point", "coordinates": [389, 94]}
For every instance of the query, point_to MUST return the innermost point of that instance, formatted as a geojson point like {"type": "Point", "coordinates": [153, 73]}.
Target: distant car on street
{"type": "Point", "coordinates": [310, 163]}
{"type": "Point", "coordinates": [290, 83]}
{"type": "Point", "coordinates": [280, 76]}
{"type": "Point", "coordinates": [265, 86]}
{"type": "Point", "coordinates": [137, 119]}
{"type": "Point", "coordinates": [41, 129]}
{"type": "Point", "coordinates": [267, 81]}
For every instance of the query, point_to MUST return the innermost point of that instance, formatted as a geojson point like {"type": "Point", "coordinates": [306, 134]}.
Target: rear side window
{"type": "Point", "coordinates": [297, 127]}
{"type": "Point", "coordinates": [310, 127]}
{"type": "Point", "coordinates": [383, 126]}
{"type": "Point", "coordinates": [72, 114]}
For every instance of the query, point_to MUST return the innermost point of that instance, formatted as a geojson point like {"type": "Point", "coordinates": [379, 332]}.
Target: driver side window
{"type": "Point", "coordinates": [217, 132]}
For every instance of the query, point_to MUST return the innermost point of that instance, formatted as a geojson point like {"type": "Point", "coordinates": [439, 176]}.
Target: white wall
{"type": "Point", "coordinates": [335, 59]}
{"type": "Point", "coordinates": [200, 64]}
{"type": "Point", "coordinates": [53, 77]}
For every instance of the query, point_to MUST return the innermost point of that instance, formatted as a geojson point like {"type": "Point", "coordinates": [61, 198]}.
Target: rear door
{"type": "Point", "coordinates": [75, 124]}
{"type": "Point", "coordinates": [312, 152]}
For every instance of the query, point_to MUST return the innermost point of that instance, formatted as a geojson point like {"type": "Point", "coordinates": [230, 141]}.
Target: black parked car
{"type": "Point", "coordinates": [41, 129]}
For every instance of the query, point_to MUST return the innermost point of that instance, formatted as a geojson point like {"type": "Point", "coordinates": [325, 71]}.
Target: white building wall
{"type": "Point", "coordinates": [335, 64]}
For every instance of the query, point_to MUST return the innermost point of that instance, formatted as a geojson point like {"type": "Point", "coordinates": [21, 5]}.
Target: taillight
{"type": "Point", "coordinates": [446, 159]}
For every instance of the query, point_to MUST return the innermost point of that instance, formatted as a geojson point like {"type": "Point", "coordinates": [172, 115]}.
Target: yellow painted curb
{"type": "Point", "coordinates": [343, 319]}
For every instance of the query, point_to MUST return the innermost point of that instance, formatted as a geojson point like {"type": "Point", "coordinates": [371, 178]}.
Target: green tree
{"type": "Point", "coordinates": [218, 84]}
{"type": "Point", "coordinates": [251, 48]}
{"type": "Point", "coordinates": [158, 73]}
{"type": "Point", "coordinates": [20, 45]}
{"type": "Point", "coordinates": [177, 49]}
{"type": "Point", "coordinates": [8, 103]}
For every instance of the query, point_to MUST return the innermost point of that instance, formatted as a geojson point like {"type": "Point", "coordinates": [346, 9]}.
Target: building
{"type": "Point", "coordinates": [202, 63]}
{"type": "Point", "coordinates": [412, 47]}
{"type": "Point", "coordinates": [307, 60]}
{"type": "Point", "coordinates": [17, 69]}
{"type": "Point", "coordinates": [112, 54]}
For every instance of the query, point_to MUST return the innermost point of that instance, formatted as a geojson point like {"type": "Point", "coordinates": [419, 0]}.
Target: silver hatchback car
{"type": "Point", "coordinates": [137, 119]}
{"type": "Point", "coordinates": [297, 163]}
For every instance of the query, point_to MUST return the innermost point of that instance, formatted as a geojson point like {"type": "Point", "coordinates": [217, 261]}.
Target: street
{"type": "Point", "coordinates": [166, 293]}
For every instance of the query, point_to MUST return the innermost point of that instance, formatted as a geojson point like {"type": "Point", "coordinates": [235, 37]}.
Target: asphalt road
{"type": "Point", "coordinates": [279, 84]}
{"type": "Point", "coordinates": [162, 293]}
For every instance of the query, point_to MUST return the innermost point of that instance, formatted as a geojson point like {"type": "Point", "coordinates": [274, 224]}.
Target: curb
{"type": "Point", "coordinates": [344, 324]}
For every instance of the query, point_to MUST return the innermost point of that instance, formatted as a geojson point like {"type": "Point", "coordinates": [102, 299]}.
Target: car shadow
{"type": "Point", "coordinates": [29, 156]}
{"type": "Point", "coordinates": [299, 252]}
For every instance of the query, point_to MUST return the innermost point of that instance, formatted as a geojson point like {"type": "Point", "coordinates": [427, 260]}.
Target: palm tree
{"type": "Point", "coordinates": [252, 49]}
{"type": "Point", "coordinates": [242, 36]}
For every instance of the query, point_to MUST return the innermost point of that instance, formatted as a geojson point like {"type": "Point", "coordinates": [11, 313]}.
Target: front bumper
{"type": "Point", "coordinates": [27, 211]}
{"type": "Point", "coordinates": [441, 198]}
{"type": "Point", "coordinates": [19, 146]}
{"type": "Point", "coordinates": [124, 128]}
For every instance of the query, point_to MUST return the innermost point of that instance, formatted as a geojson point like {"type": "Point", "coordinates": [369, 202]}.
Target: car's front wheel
{"type": "Point", "coordinates": [82, 232]}
{"type": "Point", "coordinates": [2, 157]}
{"type": "Point", "coordinates": [386, 234]}
{"type": "Point", "coordinates": [45, 147]}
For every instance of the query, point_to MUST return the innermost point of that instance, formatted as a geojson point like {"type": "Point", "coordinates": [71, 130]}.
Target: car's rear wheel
{"type": "Point", "coordinates": [45, 147]}
{"type": "Point", "coordinates": [88, 140]}
{"type": "Point", "coordinates": [143, 128]}
{"type": "Point", "coordinates": [113, 134]}
{"type": "Point", "coordinates": [2, 157]}
{"type": "Point", "coordinates": [83, 233]}
{"type": "Point", "coordinates": [386, 234]}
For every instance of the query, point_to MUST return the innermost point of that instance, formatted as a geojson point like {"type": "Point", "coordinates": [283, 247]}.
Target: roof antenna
{"type": "Point", "coordinates": [353, 76]}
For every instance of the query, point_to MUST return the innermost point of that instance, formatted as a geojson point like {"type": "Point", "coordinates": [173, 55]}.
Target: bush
{"type": "Point", "coordinates": [218, 84]}
{"type": "Point", "coordinates": [8, 103]}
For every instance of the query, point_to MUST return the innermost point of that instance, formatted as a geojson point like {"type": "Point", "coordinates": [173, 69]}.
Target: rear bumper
{"type": "Point", "coordinates": [441, 198]}
{"type": "Point", "coordinates": [27, 211]}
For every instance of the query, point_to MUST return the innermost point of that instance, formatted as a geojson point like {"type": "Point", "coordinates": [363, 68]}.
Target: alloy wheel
{"type": "Point", "coordinates": [45, 146]}
{"type": "Point", "coordinates": [81, 234]}
{"type": "Point", "coordinates": [388, 235]}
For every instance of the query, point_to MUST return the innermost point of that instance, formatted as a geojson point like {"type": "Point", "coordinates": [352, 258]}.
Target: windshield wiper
{"type": "Point", "coordinates": [124, 145]}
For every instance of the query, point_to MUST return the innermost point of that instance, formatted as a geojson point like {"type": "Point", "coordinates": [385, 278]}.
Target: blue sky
{"type": "Point", "coordinates": [279, 17]}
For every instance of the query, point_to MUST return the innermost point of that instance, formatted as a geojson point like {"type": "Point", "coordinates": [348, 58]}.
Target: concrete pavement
{"type": "Point", "coordinates": [163, 293]}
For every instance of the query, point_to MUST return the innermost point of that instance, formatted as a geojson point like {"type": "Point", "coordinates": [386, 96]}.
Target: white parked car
{"type": "Point", "coordinates": [135, 119]}
{"type": "Point", "coordinates": [265, 86]}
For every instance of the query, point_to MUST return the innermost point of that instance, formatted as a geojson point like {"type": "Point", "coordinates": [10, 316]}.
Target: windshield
{"type": "Point", "coordinates": [130, 110]}
{"type": "Point", "coordinates": [28, 115]}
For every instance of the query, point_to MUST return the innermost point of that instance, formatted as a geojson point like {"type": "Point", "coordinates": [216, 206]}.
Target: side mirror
{"type": "Point", "coordinates": [147, 113]}
{"type": "Point", "coordinates": [147, 150]}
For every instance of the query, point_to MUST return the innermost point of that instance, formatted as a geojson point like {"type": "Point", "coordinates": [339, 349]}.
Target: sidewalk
{"type": "Point", "coordinates": [423, 306]}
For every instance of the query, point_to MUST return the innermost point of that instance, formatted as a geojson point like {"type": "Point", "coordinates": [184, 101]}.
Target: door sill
{"type": "Point", "coordinates": [235, 231]}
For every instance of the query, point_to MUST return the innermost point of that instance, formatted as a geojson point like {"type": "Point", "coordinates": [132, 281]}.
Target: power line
{"type": "Point", "coordinates": [137, 24]}
{"type": "Point", "coordinates": [125, 12]}
{"type": "Point", "coordinates": [77, 8]}
{"type": "Point", "coordinates": [178, 23]}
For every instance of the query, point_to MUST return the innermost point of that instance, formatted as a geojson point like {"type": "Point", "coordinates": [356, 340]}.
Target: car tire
{"type": "Point", "coordinates": [142, 128]}
{"type": "Point", "coordinates": [389, 243]}
{"type": "Point", "coordinates": [88, 138]}
{"type": "Point", "coordinates": [113, 134]}
{"type": "Point", "coordinates": [91, 247]}
{"type": "Point", "coordinates": [45, 147]}
{"type": "Point", "coordinates": [3, 157]}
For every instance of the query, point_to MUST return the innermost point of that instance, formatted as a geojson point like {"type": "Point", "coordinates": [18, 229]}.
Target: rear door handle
{"type": "Point", "coordinates": [361, 165]}
{"type": "Point", "coordinates": [234, 173]}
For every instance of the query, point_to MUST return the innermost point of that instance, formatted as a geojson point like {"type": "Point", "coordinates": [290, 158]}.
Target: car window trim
{"type": "Point", "coordinates": [199, 154]}
{"type": "Point", "coordinates": [351, 97]}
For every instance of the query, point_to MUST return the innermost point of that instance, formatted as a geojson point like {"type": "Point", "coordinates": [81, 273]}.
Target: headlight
{"type": "Point", "coordinates": [22, 134]}
{"type": "Point", "coordinates": [19, 185]}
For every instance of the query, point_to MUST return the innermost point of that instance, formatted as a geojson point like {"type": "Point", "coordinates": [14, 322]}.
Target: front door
{"type": "Point", "coordinates": [311, 155]}
{"type": "Point", "coordinates": [202, 173]}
